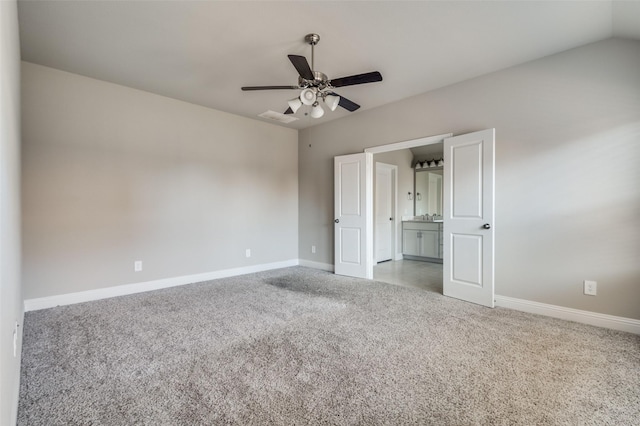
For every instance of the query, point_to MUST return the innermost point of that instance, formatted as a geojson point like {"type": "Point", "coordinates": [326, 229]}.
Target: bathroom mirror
{"type": "Point", "coordinates": [428, 192]}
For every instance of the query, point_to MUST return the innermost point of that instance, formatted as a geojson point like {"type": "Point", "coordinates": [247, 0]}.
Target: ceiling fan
{"type": "Point", "coordinates": [316, 86]}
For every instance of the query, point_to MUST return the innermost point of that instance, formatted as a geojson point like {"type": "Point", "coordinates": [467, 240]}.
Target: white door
{"type": "Point", "coordinates": [468, 265]}
{"type": "Point", "coordinates": [384, 212]}
{"type": "Point", "coordinates": [353, 216]}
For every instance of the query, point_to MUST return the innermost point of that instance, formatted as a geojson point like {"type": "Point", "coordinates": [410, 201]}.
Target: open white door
{"type": "Point", "coordinates": [384, 212]}
{"type": "Point", "coordinates": [468, 265]}
{"type": "Point", "coordinates": [353, 216]}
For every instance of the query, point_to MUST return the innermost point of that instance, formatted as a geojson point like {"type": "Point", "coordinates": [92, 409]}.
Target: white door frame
{"type": "Point", "coordinates": [394, 209]}
{"type": "Point", "coordinates": [429, 140]}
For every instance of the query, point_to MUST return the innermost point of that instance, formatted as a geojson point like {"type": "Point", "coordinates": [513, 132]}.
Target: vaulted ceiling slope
{"type": "Point", "coordinates": [203, 52]}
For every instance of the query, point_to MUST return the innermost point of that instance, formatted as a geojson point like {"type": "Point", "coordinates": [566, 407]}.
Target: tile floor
{"type": "Point", "coordinates": [410, 273]}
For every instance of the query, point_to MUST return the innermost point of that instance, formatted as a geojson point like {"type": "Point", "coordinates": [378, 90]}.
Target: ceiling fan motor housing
{"type": "Point", "coordinates": [320, 80]}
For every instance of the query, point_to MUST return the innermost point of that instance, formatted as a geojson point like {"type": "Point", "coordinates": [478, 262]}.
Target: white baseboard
{"type": "Point", "coordinates": [586, 317]}
{"type": "Point", "coordinates": [316, 265]}
{"type": "Point", "coordinates": [123, 290]}
{"type": "Point", "coordinates": [592, 318]}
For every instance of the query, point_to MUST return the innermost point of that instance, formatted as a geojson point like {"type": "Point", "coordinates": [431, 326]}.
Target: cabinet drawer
{"type": "Point", "coordinates": [422, 226]}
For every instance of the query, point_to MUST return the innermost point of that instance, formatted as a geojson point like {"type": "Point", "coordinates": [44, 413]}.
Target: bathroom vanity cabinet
{"type": "Point", "coordinates": [422, 240]}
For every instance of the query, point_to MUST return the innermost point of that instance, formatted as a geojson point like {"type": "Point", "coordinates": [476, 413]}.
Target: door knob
{"type": "Point", "coordinates": [337, 221]}
{"type": "Point", "coordinates": [486, 226]}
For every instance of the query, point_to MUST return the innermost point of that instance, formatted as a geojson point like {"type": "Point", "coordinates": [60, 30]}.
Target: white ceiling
{"type": "Point", "coordinates": [203, 52]}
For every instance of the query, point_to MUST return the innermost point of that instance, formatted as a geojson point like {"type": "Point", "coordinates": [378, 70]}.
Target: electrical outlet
{"type": "Point", "coordinates": [590, 288]}
{"type": "Point", "coordinates": [137, 266]}
{"type": "Point", "coordinates": [247, 252]}
{"type": "Point", "coordinates": [313, 249]}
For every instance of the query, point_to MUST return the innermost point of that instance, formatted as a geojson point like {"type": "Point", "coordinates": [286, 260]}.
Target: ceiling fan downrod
{"type": "Point", "coordinates": [312, 39]}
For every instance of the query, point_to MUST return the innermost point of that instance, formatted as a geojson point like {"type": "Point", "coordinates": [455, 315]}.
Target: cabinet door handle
{"type": "Point", "coordinates": [486, 226]}
{"type": "Point", "coordinates": [390, 218]}
{"type": "Point", "coordinates": [337, 221]}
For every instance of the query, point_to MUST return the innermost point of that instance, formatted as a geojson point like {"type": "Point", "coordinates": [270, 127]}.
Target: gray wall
{"type": "Point", "coordinates": [112, 175]}
{"type": "Point", "coordinates": [10, 290]}
{"type": "Point", "coordinates": [567, 175]}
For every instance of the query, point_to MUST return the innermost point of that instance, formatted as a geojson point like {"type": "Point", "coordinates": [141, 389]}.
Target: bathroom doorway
{"type": "Point", "coordinates": [411, 201]}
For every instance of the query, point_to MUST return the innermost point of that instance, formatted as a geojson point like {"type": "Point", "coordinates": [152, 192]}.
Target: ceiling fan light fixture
{"type": "Point", "coordinates": [308, 96]}
{"type": "Point", "coordinates": [332, 101]}
{"type": "Point", "coordinates": [317, 111]}
{"type": "Point", "coordinates": [295, 104]}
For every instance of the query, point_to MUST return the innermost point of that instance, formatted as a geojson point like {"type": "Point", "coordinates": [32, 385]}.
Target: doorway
{"type": "Point", "coordinates": [399, 271]}
{"type": "Point", "coordinates": [468, 267]}
{"type": "Point", "coordinates": [413, 200]}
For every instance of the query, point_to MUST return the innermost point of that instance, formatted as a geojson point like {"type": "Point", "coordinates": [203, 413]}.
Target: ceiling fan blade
{"type": "Point", "coordinates": [302, 66]}
{"type": "Point", "coordinates": [269, 87]}
{"type": "Point", "coordinates": [369, 77]}
{"type": "Point", "coordinates": [289, 111]}
{"type": "Point", "coordinates": [345, 103]}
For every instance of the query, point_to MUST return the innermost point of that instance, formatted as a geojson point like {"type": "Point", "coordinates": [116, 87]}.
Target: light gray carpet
{"type": "Point", "coordinates": [299, 346]}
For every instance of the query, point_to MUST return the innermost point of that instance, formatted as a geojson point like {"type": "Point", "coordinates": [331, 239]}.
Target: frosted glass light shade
{"type": "Point", "coordinates": [295, 104]}
{"type": "Point", "coordinates": [308, 96]}
{"type": "Point", "coordinates": [317, 111]}
{"type": "Point", "coordinates": [332, 101]}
